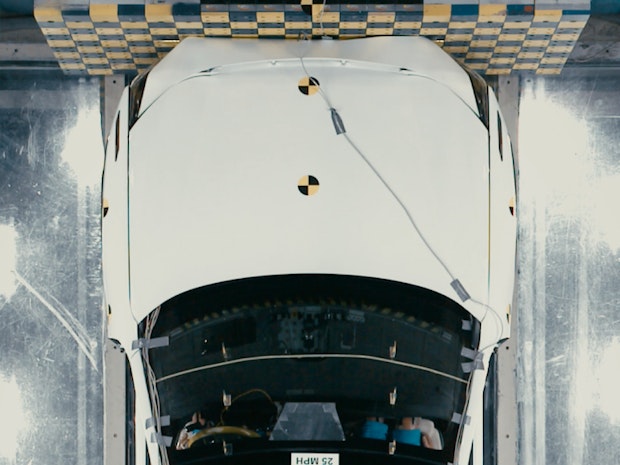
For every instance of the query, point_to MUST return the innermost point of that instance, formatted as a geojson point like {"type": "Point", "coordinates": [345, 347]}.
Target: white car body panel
{"type": "Point", "coordinates": [114, 225]}
{"type": "Point", "coordinates": [238, 213]}
{"type": "Point", "coordinates": [224, 204]}
{"type": "Point", "coordinates": [503, 231]}
{"type": "Point", "coordinates": [415, 53]}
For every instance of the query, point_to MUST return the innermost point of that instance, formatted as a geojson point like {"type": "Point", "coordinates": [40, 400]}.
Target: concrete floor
{"type": "Point", "coordinates": [569, 287]}
{"type": "Point", "coordinates": [567, 340]}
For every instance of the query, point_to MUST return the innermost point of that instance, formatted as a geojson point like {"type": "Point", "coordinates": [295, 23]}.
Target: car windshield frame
{"type": "Point", "coordinates": [224, 343]}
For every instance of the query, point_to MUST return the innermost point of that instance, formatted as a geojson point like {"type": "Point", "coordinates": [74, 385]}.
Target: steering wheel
{"type": "Point", "coordinates": [221, 433]}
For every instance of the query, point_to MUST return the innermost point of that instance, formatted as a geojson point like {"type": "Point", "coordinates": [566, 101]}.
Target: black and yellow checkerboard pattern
{"type": "Point", "coordinates": [104, 38]}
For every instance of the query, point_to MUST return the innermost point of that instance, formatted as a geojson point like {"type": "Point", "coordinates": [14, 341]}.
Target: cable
{"type": "Point", "coordinates": [321, 92]}
{"type": "Point", "coordinates": [322, 30]}
{"type": "Point", "coordinates": [402, 205]}
{"type": "Point", "coordinates": [312, 356]}
{"type": "Point", "coordinates": [243, 394]}
{"type": "Point", "coordinates": [340, 130]}
{"type": "Point", "coordinates": [455, 282]}
{"type": "Point", "coordinates": [468, 392]}
{"type": "Point", "coordinates": [497, 319]}
{"type": "Point", "coordinates": [151, 319]}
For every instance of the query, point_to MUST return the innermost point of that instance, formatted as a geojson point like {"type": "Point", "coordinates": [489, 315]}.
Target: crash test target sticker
{"type": "Point", "coordinates": [308, 185]}
{"type": "Point", "coordinates": [308, 85]}
{"type": "Point", "coordinates": [314, 458]}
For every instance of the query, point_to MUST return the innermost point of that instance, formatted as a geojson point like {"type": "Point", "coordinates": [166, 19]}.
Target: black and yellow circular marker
{"type": "Point", "coordinates": [308, 185]}
{"type": "Point", "coordinates": [105, 206]}
{"type": "Point", "coordinates": [308, 85]}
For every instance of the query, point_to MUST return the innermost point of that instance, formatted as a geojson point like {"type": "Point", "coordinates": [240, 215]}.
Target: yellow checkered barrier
{"type": "Point", "coordinates": [100, 38]}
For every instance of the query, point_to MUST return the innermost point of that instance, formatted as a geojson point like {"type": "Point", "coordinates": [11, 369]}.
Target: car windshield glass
{"type": "Point", "coordinates": [312, 358]}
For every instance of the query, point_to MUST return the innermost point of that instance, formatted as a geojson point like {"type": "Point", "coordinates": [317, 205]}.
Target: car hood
{"type": "Point", "coordinates": [216, 161]}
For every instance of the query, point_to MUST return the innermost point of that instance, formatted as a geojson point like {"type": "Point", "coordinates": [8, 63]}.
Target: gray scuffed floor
{"type": "Point", "coordinates": [567, 343]}
{"type": "Point", "coordinates": [50, 318]}
{"type": "Point", "coordinates": [568, 382]}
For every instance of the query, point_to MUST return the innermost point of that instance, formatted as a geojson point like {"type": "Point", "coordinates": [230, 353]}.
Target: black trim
{"type": "Point", "coordinates": [481, 93]}
{"type": "Point", "coordinates": [489, 432]}
{"type": "Point", "coordinates": [130, 414]}
{"type": "Point", "coordinates": [500, 137]}
{"type": "Point", "coordinates": [117, 136]}
{"type": "Point", "coordinates": [136, 91]}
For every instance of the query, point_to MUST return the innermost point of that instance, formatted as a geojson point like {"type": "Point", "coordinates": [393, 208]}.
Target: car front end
{"type": "Point", "coordinates": [303, 238]}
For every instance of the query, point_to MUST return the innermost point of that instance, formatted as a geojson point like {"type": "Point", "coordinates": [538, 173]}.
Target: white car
{"type": "Point", "coordinates": [308, 252]}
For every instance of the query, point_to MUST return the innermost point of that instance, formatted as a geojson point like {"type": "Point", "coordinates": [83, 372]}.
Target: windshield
{"type": "Point", "coordinates": [312, 358]}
